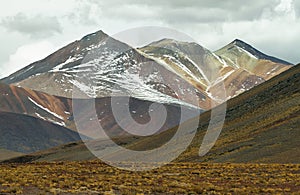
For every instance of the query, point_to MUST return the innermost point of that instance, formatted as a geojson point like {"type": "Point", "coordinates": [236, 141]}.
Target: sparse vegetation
{"type": "Point", "coordinates": [95, 177]}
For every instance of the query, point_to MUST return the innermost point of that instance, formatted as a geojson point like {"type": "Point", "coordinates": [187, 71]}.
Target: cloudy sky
{"type": "Point", "coordinates": [32, 29]}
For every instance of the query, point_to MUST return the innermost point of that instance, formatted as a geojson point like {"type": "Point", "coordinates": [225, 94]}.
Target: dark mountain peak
{"type": "Point", "coordinates": [91, 39]}
{"type": "Point", "coordinates": [99, 35]}
{"type": "Point", "coordinates": [75, 50]}
{"type": "Point", "coordinates": [240, 44]}
{"type": "Point", "coordinates": [99, 32]}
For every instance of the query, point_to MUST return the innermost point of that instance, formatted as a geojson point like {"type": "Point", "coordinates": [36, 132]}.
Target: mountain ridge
{"type": "Point", "coordinates": [115, 67]}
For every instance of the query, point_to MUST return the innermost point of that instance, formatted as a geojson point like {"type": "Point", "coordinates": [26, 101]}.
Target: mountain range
{"type": "Point", "coordinates": [259, 128]}
{"type": "Point", "coordinates": [163, 71]}
{"type": "Point", "coordinates": [38, 99]}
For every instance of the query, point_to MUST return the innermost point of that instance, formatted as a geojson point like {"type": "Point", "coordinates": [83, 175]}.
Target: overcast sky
{"type": "Point", "coordinates": [32, 29]}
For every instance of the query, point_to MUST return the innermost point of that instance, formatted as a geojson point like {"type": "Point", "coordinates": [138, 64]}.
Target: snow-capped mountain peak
{"type": "Point", "coordinates": [99, 66]}
{"type": "Point", "coordinates": [167, 70]}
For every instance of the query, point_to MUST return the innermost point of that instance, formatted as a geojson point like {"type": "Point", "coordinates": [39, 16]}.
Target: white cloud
{"type": "Point", "coordinates": [284, 6]}
{"type": "Point", "coordinates": [25, 55]}
{"type": "Point", "coordinates": [271, 26]}
{"type": "Point", "coordinates": [35, 26]}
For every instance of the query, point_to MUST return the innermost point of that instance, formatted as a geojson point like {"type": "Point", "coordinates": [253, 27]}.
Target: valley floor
{"type": "Point", "coordinates": [95, 177]}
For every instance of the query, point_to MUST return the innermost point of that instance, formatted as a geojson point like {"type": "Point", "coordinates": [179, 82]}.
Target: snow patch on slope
{"type": "Point", "coordinates": [222, 78]}
{"type": "Point", "coordinates": [247, 52]}
{"type": "Point", "coordinates": [221, 60]}
{"type": "Point", "coordinates": [69, 60]}
{"type": "Point", "coordinates": [46, 109]}
{"type": "Point", "coordinates": [185, 69]}
{"type": "Point", "coordinates": [199, 69]}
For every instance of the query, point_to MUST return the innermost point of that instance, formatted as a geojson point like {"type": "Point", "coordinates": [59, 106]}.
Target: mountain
{"type": "Point", "coordinates": [180, 76]}
{"type": "Point", "coordinates": [100, 66]}
{"type": "Point", "coordinates": [243, 55]}
{"type": "Point", "coordinates": [235, 67]}
{"type": "Point", "coordinates": [261, 126]}
{"type": "Point", "coordinates": [245, 48]}
{"type": "Point", "coordinates": [21, 133]}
